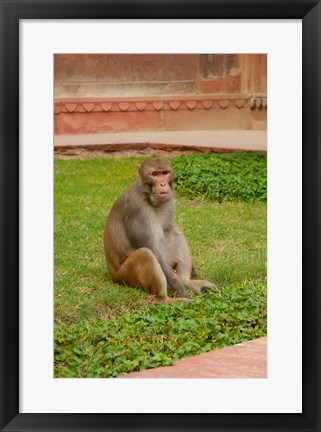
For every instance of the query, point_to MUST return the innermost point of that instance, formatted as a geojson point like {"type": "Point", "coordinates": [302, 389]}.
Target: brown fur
{"type": "Point", "coordinates": [143, 246]}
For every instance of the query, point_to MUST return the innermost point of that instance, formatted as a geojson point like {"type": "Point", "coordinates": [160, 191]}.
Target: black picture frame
{"type": "Point", "coordinates": [11, 12]}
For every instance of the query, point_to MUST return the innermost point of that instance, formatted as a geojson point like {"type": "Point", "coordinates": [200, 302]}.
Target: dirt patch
{"type": "Point", "coordinates": [85, 153]}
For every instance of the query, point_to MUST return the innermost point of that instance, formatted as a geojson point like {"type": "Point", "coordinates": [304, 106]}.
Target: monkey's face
{"type": "Point", "coordinates": [158, 176]}
{"type": "Point", "coordinates": [160, 181]}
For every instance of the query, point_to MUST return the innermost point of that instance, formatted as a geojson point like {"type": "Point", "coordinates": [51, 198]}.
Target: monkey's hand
{"type": "Point", "coordinates": [176, 284]}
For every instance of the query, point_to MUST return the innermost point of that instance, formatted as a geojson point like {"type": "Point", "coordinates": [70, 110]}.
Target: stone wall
{"type": "Point", "coordinates": [128, 92]}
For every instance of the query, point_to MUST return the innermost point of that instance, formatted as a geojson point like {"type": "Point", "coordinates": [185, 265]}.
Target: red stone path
{"type": "Point", "coordinates": [244, 360]}
{"type": "Point", "coordinates": [206, 140]}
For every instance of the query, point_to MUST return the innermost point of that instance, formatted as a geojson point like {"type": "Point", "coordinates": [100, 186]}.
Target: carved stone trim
{"type": "Point", "coordinates": [258, 100]}
{"type": "Point", "coordinates": [174, 103]}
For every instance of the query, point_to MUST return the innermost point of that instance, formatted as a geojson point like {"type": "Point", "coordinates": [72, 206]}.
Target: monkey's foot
{"type": "Point", "coordinates": [210, 285]}
{"type": "Point", "coordinates": [165, 300]}
{"type": "Point", "coordinates": [198, 286]}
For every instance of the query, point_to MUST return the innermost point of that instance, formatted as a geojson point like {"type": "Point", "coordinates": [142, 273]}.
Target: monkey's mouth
{"type": "Point", "coordinates": [163, 194]}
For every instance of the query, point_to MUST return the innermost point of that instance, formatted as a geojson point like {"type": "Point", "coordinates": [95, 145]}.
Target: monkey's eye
{"type": "Point", "coordinates": [154, 173]}
{"type": "Point", "coordinates": [165, 172]}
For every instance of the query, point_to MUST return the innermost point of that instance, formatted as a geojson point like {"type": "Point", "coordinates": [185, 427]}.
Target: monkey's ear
{"type": "Point", "coordinates": [140, 170]}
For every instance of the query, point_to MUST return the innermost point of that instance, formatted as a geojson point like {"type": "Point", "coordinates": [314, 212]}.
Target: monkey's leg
{"type": "Point", "coordinates": [141, 269]}
{"type": "Point", "coordinates": [180, 258]}
{"type": "Point", "coordinates": [183, 269]}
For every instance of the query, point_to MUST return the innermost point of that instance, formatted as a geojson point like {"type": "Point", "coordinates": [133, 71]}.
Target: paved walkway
{"type": "Point", "coordinates": [218, 140]}
{"type": "Point", "coordinates": [245, 360]}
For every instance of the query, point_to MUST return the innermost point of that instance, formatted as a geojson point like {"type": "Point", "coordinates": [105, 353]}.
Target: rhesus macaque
{"type": "Point", "coordinates": [143, 246]}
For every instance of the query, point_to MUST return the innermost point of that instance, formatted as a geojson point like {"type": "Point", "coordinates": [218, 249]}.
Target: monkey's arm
{"type": "Point", "coordinates": [173, 280]}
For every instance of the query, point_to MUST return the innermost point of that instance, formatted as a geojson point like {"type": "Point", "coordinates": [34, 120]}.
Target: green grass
{"type": "Point", "coordinates": [93, 315]}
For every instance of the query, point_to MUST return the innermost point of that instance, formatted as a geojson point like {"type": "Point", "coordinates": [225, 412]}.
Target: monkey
{"type": "Point", "coordinates": [143, 246]}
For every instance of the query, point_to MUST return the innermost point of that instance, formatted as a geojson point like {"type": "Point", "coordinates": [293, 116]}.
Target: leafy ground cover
{"type": "Point", "coordinates": [231, 176]}
{"type": "Point", "coordinates": [103, 329]}
{"type": "Point", "coordinates": [158, 335]}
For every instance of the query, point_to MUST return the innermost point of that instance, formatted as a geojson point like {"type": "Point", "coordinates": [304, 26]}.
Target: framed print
{"type": "Point", "coordinates": [32, 34]}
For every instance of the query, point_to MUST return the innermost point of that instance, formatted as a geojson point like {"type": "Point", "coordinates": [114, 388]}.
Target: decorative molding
{"type": "Point", "coordinates": [258, 100]}
{"type": "Point", "coordinates": [174, 103]}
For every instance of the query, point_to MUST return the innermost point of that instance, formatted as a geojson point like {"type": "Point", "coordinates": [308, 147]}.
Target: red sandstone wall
{"type": "Point", "coordinates": [110, 92]}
